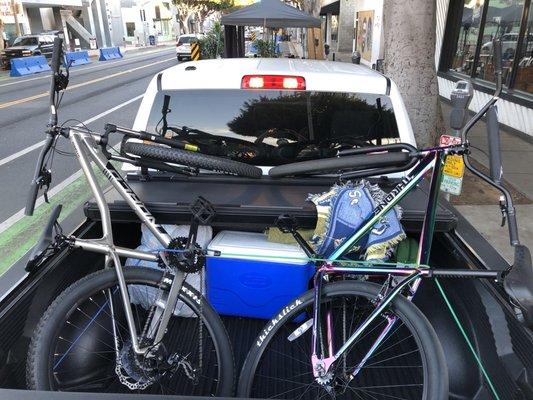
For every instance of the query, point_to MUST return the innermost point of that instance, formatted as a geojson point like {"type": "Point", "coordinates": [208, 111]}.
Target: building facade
{"type": "Point", "coordinates": [464, 30]}
{"type": "Point", "coordinates": [143, 19]}
{"type": "Point", "coordinates": [351, 25]}
{"type": "Point", "coordinates": [85, 23]}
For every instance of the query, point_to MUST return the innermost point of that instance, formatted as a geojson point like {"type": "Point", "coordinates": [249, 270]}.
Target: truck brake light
{"type": "Point", "coordinates": [273, 82]}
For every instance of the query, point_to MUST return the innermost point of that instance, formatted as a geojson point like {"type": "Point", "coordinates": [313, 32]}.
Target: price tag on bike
{"type": "Point", "coordinates": [454, 168]}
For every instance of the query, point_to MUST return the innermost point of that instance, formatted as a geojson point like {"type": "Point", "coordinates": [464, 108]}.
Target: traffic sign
{"type": "Point", "coordinates": [195, 51]}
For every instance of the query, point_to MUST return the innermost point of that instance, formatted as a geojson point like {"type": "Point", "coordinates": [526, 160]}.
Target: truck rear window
{"type": "Point", "coordinates": [272, 127]}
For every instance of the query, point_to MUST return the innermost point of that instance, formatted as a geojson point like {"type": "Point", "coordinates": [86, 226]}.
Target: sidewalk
{"type": "Point", "coordinates": [517, 160]}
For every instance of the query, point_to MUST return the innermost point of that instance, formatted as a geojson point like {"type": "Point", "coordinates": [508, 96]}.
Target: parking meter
{"type": "Point", "coordinates": [460, 97]}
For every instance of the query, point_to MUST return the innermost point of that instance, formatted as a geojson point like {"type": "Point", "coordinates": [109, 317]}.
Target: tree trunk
{"type": "Point", "coordinates": [409, 35]}
{"type": "Point", "coordinates": [312, 7]}
{"type": "Point", "coordinates": [1, 35]}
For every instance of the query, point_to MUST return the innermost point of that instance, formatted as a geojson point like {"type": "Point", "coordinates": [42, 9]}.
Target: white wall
{"type": "Point", "coordinates": [132, 15]}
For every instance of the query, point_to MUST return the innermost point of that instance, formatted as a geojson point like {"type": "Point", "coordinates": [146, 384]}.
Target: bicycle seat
{"type": "Point", "coordinates": [518, 283]}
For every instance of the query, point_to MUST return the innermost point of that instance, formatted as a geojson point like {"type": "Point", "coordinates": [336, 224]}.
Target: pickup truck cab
{"type": "Point", "coordinates": [252, 101]}
{"type": "Point", "coordinates": [269, 112]}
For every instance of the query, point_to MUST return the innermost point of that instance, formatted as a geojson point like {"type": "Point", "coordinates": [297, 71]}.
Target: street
{"type": "Point", "coordinates": [98, 93]}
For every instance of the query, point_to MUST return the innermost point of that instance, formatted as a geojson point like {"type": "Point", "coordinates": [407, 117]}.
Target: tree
{"type": "Point", "coordinates": [186, 9]}
{"type": "Point", "coordinates": [409, 53]}
{"type": "Point", "coordinates": [310, 6]}
{"type": "Point", "coordinates": [212, 44]}
{"type": "Point", "coordinates": [1, 34]}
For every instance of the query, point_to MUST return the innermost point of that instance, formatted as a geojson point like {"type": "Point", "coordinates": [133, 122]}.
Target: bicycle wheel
{"type": "Point", "coordinates": [74, 345]}
{"type": "Point", "coordinates": [191, 159]}
{"type": "Point", "coordinates": [408, 363]}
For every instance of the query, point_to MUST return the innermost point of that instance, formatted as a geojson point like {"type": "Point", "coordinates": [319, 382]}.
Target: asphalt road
{"type": "Point", "coordinates": [98, 93]}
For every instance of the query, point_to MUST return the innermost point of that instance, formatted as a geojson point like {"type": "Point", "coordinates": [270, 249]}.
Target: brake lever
{"type": "Point", "coordinates": [45, 180]}
{"type": "Point", "coordinates": [503, 209]}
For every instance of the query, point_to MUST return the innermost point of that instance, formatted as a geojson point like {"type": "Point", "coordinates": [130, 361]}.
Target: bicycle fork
{"type": "Point", "coordinates": [322, 366]}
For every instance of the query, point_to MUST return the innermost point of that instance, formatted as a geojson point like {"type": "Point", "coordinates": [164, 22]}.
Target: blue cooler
{"type": "Point", "coordinates": [253, 283]}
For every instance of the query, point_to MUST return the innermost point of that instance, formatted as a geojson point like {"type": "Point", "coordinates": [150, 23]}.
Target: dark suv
{"type": "Point", "coordinates": [28, 45]}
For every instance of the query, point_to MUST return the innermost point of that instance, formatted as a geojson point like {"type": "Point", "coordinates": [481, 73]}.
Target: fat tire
{"type": "Point", "coordinates": [191, 159]}
{"type": "Point", "coordinates": [430, 347]}
{"type": "Point", "coordinates": [37, 366]}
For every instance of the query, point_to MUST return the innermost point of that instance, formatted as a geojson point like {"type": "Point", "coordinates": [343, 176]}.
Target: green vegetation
{"type": "Point", "coordinates": [265, 48]}
{"type": "Point", "coordinates": [212, 44]}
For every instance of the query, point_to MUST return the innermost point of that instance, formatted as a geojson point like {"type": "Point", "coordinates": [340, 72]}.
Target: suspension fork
{"type": "Point", "coordinates": [319, 276]}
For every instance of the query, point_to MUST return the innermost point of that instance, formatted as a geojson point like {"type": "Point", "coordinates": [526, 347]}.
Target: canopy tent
{"type": "Point", "coordinates": [265, 13]}
{"type": "Point", "coordinates": [271, 14]}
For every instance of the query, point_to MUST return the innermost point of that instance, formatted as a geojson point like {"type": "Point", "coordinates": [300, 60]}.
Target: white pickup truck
{"type": "Point", "coordinates": [263, 113]}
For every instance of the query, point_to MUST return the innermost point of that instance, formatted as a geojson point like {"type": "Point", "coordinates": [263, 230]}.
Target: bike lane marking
{"type": "Point", "coordinates": [11, 227]}
{"type": "Point", "coordinates": [29, 149]}
{"type": "Point", "coordinates": [103, 78]}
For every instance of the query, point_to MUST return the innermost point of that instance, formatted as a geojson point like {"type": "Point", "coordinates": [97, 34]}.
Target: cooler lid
{"type": "Point", "coordinates": [255, 246]}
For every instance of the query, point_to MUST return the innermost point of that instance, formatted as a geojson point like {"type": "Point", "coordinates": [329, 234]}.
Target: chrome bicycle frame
{"type": "Point", "coordinates": [86, 147]}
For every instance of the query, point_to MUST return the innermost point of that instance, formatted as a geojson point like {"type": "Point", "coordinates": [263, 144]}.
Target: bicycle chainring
{"type": "Point", "coordinates": [188, 260]}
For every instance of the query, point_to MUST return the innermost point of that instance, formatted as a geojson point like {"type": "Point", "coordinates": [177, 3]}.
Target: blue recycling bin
{"type": "Point", "coordinates": [151, 40]}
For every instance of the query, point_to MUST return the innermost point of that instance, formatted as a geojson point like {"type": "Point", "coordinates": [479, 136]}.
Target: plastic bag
{"type": "Point", "coordinates": [146, 296]}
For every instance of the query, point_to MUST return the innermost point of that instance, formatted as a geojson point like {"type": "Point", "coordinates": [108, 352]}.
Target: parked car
{"type": "Point", "coordinates": [27, 46]}
{"type": "Point", "coordinates": [183, 45]}
{"type": "Point", "coordinates": [509, 42]}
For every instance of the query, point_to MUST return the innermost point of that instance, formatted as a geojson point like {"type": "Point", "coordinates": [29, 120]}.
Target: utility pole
{"type": "Point", "coordinates": [15, 9]}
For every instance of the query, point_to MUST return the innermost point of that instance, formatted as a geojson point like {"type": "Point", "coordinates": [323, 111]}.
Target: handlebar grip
{"type": "Point", "coordinates": [497, 56]}
{"type": "Point", "coordinates": [493, 134]}
{"type": "Point", "coordinates": [56, 54]}
{"type": "Point", "coordinates": [32, 198]}
{"type": "Point", "coordinates": [34, 186]}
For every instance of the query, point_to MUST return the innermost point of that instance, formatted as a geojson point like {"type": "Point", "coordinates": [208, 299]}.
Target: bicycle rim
{"type": "Point", "coordinates": [82, 351]}
{"type": "Point", "coordinates": [399, 368]}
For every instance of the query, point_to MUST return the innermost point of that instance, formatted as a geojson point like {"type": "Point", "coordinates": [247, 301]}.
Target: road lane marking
{"type": "Point", "coordinates": [103, 78]}
{"type": "Point", "coordinates": [90, 120]}
{"type": "Point", "coordinates": [47, 76]}
{"type": "Point", "coordinates": [20, 238]}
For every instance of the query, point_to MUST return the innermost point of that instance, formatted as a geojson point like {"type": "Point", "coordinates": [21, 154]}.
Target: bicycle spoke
{"type": "Point", "coordinates": [398, 352]}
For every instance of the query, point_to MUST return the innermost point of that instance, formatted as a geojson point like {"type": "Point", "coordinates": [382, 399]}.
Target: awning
{"type": "Point", "coordinates": [331, 8]}
{"type": "Point", "coordinates": [271, 14]}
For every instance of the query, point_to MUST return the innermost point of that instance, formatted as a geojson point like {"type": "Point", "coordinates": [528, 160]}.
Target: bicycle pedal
{"type": "Point", "coordinates": [287, 223]}
{"type": "Point", "coordinates": [202, 210]}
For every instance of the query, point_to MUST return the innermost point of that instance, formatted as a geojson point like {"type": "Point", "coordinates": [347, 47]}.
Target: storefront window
{"type": "Point", "coordinates": [130, 29]}
{"type": "Point", "coordinates": [463, 60]}
{"type": "Point", "coordinates": [503, 23]}
{"type": "Point", "coordinates": [524, 72]}
{"type": "Point", "coordinates": [476, 25]}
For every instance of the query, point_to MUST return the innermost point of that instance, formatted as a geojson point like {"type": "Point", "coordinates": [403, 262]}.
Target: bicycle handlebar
{"type": "Point", "coordinates": [56, 62]}
{"type": "Point", "coordinates": [40, 177]}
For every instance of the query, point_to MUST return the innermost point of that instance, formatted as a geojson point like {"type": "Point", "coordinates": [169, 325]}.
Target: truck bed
{"type": "Point", "coordinates": [502, 343]}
